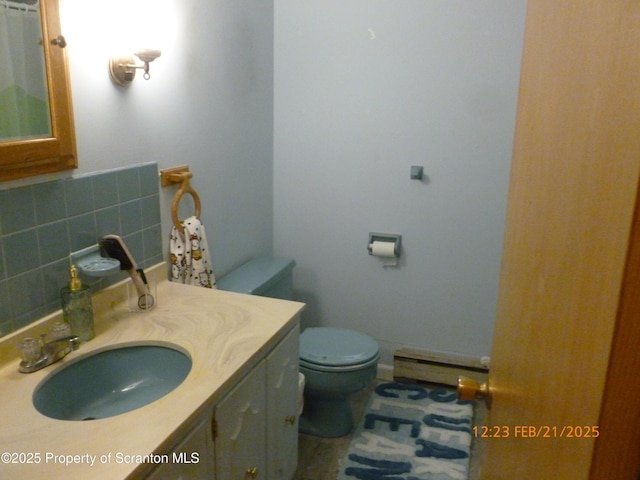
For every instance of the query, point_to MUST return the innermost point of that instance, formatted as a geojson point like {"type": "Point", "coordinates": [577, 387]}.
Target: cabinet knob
{"type": "Point", "coordinates": [290, 419]}
{"type": "Point", "coordinates": [252, 472]}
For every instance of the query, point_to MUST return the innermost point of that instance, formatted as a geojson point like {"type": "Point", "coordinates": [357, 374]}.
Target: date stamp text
{"type": "Point", "coordinates": [536, 431]}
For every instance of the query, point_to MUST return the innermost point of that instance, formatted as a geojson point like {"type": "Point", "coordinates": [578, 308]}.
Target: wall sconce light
{"type": "Point", "coordinates": [123, 68]}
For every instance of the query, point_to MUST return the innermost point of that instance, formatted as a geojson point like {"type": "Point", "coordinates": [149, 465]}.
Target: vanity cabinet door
{"type": "Point", "coordinates": [191, 459]}
{"type": "Point", "coordinates": [241, 430]}
{"type": "Point", "coordinates": [282, 408]}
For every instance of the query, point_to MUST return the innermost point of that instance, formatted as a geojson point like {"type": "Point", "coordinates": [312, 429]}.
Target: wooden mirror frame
{"type": "Point", "coordinates": [24, 158]}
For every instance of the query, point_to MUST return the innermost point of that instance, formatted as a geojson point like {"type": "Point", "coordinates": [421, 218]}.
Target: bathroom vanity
{"type": "Point", "coordinates": [250, 433]}
{"type": "Point", "coordinates": [234, 415]}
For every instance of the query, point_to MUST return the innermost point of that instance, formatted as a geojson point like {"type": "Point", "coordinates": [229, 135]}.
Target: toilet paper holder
{"type": "Point", "coordinates": [394, 238]}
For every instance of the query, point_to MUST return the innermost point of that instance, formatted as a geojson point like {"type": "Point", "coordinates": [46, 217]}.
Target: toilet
{"type": "Point", "coordinates": [335, 362]}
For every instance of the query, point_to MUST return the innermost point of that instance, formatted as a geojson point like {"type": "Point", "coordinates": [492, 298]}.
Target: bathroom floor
{"type": "Point", "coordinates": [320, 458]}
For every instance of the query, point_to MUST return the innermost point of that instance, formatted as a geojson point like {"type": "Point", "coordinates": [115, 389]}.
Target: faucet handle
{"type": "Point", "coordinates": [31, 350]}
{"type": "Point", "coordinates": [60, 330]}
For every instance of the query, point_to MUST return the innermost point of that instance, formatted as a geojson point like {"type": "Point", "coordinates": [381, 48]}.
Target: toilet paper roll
{"type": "Point", "coordinates": [385, 250]}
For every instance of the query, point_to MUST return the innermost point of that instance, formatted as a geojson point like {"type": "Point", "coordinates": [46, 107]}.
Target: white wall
{"type": "Point", "coordinates": [208, 104]}
{"type": "Point", "coordinates": [363, 90]}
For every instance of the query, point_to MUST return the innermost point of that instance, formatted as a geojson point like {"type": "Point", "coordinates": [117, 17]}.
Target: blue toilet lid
{"type": "Point", "coordinates": [336, 347]}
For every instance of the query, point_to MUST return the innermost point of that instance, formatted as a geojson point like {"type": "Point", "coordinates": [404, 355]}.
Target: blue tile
{"type": "Point", "coordinates": [149, 179]}
{"type": "Point", "coordinates": [108, 221]}
{"type": "Point", "coordinates": [29, 317]}
{"type": "Point", "coordinates": [79, 195]}
{"type": "Point", "coordinates": [53, 241]}
{"type": "Point", "coordinates": [17, 211]}
{"type": "Point", "coordinates": [113, 279]}
{"type": "Point", "coordinates": [41, 224]}
{"type": "Point", "coordinates": [55, 276]}
{"type": "Point", "coordinates": [3, 270]}
{"type": "Point", "coordinates": [82, 231]}
{"type": "Point", "coordinates": [150, 210]}
{"type": "Point", "coordinates": [21, 252]}
{"type": "Point", "coordinates": [5, 308]}
{"type": "Point", "coordinates": [128, 184]}
{"type": "Point", "coordinates": [6, 327]}
{"type": "Point", "coordinates": [105, 189]}
{"type": "Point", "coordinates": [152, 242]}
{"type": "Point", "coordinates": [25, 292]}
{"type": "Point", "coordinates": [130, 217]}
{"type": "Point", "coordinates": [49, 201]}
{"type": "Point", "coordinates": [135, 246]}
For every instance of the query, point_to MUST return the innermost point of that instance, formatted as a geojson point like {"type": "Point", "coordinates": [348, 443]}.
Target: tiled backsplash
{"type": "Point", "coordinates": [40, 225]}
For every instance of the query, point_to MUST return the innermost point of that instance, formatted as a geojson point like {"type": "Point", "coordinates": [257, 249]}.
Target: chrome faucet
{"type": "Point", "coordinates": [38, 354]}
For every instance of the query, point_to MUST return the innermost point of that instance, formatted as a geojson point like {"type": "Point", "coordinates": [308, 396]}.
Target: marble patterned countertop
{"type": "Point", "coordinates": [225, 334]}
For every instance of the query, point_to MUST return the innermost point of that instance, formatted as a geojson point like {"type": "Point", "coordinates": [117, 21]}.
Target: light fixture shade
{"type": "Point", "coordinates": [147, 55]}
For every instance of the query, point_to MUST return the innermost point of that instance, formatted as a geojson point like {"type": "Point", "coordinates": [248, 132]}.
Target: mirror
{"type": "Point", "coordinates": [36, 118]}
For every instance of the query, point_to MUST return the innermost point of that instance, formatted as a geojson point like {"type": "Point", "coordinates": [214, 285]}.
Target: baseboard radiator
{"type": "Point", "coordinates": [439, 368]}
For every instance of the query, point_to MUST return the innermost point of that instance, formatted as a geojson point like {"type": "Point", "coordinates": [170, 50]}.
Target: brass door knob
{"type": "Point", "coordinates": [290, 419]}
{"type": "Point", "coordinates": [469, 389]}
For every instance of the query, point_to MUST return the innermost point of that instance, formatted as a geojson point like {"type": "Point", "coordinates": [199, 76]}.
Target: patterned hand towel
{"type": "Point", "coordinates": [190, 258]}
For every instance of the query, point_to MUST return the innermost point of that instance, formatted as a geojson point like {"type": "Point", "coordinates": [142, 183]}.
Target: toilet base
{"type": "Point", "coordinates": [328, 418]}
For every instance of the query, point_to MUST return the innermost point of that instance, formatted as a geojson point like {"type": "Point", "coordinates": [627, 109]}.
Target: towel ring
{"type": "Point", "coordinates": [185, 187]}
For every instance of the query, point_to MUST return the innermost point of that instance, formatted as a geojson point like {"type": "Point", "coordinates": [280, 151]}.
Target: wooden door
{"type": "Point", "coordinates": [568, 273]}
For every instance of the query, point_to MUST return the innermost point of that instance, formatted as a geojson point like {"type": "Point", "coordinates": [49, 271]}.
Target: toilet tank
{"type": "Point", "coordinates": [264, 276]}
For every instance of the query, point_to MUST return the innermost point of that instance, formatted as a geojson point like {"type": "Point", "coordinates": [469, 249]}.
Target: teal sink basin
{"type": "Point", "coordinates": [110, 382]}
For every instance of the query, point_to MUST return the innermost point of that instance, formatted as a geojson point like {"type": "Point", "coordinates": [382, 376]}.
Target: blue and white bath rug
{"type": "Point", "coordinates": [410, 432]}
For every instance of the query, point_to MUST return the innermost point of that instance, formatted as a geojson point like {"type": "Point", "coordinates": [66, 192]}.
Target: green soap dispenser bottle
{"type": "Point", "coordinates": [76, 307]}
